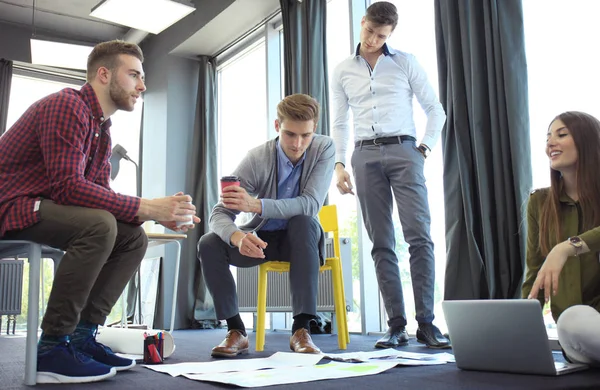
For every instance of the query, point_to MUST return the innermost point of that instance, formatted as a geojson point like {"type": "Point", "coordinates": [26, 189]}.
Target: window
{"type": "Point", "coordinates": [248, 85]}
{"type": "Point", "coordinates": [338, 49]}
{"type": "Point", "coordinates": [125, 131]}
{"type": "Point", "coordinates": [562, 73]}
{"type": "Point", "coordinates": [562, 69]}
{"type": "Point", "coordinates": [242, 106]}
{"type": "Point", "coordinates": [415, 34]}
{"type": "Point", "coordinates": [25, 91]}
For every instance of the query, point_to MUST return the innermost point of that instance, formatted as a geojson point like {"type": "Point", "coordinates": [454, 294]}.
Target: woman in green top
{"type": "Point", "coordinates": [563, 237]}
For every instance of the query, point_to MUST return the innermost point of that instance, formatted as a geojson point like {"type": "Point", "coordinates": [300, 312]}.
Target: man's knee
{"type": "Point", "coordinates": [139, 239]}
{"type": "Point", "coordinates": [101, 224]}
{"type": "Point", "coordinates": [302, 223]}
{"type": "Point", "coordinates": [208, 246]}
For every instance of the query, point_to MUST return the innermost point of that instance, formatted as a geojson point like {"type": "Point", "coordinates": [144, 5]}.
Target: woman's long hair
{"type": "Point", "coordinates": [585, 130]}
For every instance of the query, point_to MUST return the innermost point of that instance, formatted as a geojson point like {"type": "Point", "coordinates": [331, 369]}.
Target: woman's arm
{"type": "Point", "coordinates": [534, 257]}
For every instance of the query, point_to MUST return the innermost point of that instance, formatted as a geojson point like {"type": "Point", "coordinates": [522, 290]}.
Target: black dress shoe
{"type": "Point", "coordinates": [431, 336]}
{"type": "Point", "coordinates": [395, 336]}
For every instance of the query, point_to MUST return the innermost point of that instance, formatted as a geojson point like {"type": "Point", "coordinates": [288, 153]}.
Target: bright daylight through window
{"type": "Point", "coordinates": [562, 65]}
{"type": "Point", "coordinates": [415, 34]}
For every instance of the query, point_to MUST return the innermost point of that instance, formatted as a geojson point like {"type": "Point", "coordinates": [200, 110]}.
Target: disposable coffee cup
{"type": "Point", "coordinates": [229, 181]}
{"type": "Point", "coordinates": [190, 221]}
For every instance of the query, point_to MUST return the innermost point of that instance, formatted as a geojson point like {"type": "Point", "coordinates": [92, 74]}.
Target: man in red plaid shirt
{"type": "Point", "coordinates": [54, 190]}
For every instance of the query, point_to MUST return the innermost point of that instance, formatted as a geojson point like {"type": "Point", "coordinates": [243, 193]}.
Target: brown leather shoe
{"type": "Point", "coordinates": [302, 343]}
{"type": "Point", "coordinates": [235, 343]}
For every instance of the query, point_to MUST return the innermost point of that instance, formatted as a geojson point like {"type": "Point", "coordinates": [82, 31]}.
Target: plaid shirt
{"type": "Point", "coordinates": [59, 150]}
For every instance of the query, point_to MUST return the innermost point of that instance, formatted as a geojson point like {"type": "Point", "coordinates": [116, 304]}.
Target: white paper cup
{"type": "Point", "coordinates": [190, 221]}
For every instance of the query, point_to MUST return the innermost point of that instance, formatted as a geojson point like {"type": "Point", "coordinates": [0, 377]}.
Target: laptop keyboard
{"type": "Point", "coordinates": [560, 366]}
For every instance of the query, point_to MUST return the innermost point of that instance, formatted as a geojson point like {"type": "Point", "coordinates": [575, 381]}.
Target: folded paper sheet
{"type": "Point", "coordinates": [390, 353]}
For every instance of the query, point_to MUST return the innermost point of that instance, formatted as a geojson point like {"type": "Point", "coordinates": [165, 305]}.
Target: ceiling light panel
{"type": "Point", "coordinates": [152, 16]}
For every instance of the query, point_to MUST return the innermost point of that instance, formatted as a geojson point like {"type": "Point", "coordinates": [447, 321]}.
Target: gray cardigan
{"type": "Point", "coordinates": [257, 173]}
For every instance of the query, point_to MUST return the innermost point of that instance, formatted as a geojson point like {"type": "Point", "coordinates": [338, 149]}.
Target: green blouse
{"type": "Point", "coordinates": [579, 280]}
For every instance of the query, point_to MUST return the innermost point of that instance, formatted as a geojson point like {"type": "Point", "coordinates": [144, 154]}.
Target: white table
{"type": "Point", "coordinates": [156, 239]}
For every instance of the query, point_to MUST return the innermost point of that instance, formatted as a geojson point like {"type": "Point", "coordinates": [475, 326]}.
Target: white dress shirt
{"type": "Point", "coordinates": [381, 99]}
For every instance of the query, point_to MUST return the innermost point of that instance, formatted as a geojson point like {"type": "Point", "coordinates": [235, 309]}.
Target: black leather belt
{"type": "Point", "coordinates": [386, 140]}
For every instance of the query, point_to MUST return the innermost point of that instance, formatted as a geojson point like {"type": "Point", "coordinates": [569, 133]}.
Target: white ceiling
{"type": "Point", "coordinates": [69, 19]}
{"type": "Point", "coordinates": [234, 21]}
{"type": "Point", "coordinates": [64, 18]}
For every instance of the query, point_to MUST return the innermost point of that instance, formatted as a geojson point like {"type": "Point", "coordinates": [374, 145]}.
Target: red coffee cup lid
{"type": "Point", "coordinates": [230, 178]}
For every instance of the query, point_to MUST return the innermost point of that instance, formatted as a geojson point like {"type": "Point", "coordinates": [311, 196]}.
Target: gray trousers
{"type": "Point", "coordinates": [298, 245]}
{"type": "Point", "coordinates": [381, 171]}
{"type": "Point", "coordinates": [101, 255]}
{"type": "Point", "coordinates": [578, 334]}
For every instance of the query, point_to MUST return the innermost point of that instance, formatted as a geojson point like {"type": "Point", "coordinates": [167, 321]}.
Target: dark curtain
{"type": "Point", "coordinates": [305, 52]}
{"type": "Point", "coordinates": [487, 171]}
{"type": "Point", "coordinates": [6, 67]}
{"type": "Point", "coordinates": [204, 186]}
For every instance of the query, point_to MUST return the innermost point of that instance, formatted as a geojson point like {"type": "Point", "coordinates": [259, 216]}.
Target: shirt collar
{"type": "Point", "coordinates": [283, 158]}
{"type": "Point", "coordinates": [385, 50]}
{"type": "Point", "coordinates": [91, 99]}
{"type": "Point", "coordinates": [564, 198]}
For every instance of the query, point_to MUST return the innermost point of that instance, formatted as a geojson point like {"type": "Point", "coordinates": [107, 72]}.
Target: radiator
{"type": "Point", "coordinates": [11, 286]}
{"type": "Point", "coordinates": [278, 290]}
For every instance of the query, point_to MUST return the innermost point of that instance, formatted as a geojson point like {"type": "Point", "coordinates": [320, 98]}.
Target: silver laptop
{"type": "Point", "coordinates": [503, 335]}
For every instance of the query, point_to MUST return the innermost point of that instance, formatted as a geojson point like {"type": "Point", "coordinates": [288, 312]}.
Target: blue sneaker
{"type": "Point", "coordinates": [103, 354]}
{"type": "Point", "coordinates": [63, 364]}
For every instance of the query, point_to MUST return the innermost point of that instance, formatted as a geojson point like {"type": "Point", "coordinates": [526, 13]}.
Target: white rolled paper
{"type": "Point", "coordinates": [131, 341]}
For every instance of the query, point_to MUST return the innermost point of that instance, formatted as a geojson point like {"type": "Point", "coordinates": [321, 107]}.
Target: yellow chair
{"type": "Point", "coordinates": [329, 222]}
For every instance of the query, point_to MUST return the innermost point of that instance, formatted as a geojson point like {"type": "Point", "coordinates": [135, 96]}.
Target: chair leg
{"type": "Point", "coordinates": [35, 253]}
{"type": "Point", "coordinates": [340, 305]}
{"type": "Point", "coordinates": [261, 310]}
{"type": "Point", "coordinates": [343, 302]}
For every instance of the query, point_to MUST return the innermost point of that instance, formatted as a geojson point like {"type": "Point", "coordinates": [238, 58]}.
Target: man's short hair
{"type": "Point", "coordinates": [106, 54]}
{"type": "Point", "coordinates": [383, 13]}
{"type": "Point", "coordinates": [298, 107]}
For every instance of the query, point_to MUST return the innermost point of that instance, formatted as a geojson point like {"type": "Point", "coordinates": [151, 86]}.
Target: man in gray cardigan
{"type": "Point", "coordinates": [283, 183]}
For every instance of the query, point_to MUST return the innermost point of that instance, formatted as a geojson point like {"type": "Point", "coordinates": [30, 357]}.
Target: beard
{"type": "Point", "coordinates": [120, 97]}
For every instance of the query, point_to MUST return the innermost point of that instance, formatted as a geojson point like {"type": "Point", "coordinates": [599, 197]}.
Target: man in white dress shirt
{"type": "Point", "coordinates": [377, 84]}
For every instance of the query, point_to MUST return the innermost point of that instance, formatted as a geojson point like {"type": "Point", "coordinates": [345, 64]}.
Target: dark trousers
{"type": "Point", "coordinates": [298, 245]}
{"type": "Point", "coordinates": [101, 256]}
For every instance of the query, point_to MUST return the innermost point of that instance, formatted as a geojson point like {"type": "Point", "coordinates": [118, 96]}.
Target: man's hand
{"type": "Point", "coordinates": [344, 183]}
{"type": "Point", "coordinates": [236, 198]}
{"type": "Point", "coordinates": [175, 208]}
{"type": "Point", "coordinates": [180, 229]}
{"type": "Point", "coordinates": [249, 244]}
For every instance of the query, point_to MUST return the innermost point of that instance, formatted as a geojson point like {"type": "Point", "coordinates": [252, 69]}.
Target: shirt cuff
{"type": "Point", "coordinates": [591, 239]}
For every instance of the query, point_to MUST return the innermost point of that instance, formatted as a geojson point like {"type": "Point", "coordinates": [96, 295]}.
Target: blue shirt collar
{"type": "Point", "coordinates": [282, 158]}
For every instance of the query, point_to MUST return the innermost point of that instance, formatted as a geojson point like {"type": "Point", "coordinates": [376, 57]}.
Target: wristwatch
{"type": "Point", "coordinates": [424, 150]}
{"type": "Point", "coordinates": [576, 243]}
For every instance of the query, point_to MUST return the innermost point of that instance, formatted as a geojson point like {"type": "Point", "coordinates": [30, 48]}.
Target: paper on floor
{"type": "Point", "coordinates": [279, 376]}
{"type": "Point", "coordinates": [277, 360]}
{"type": "Point", "coordinates": [389, 353]}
